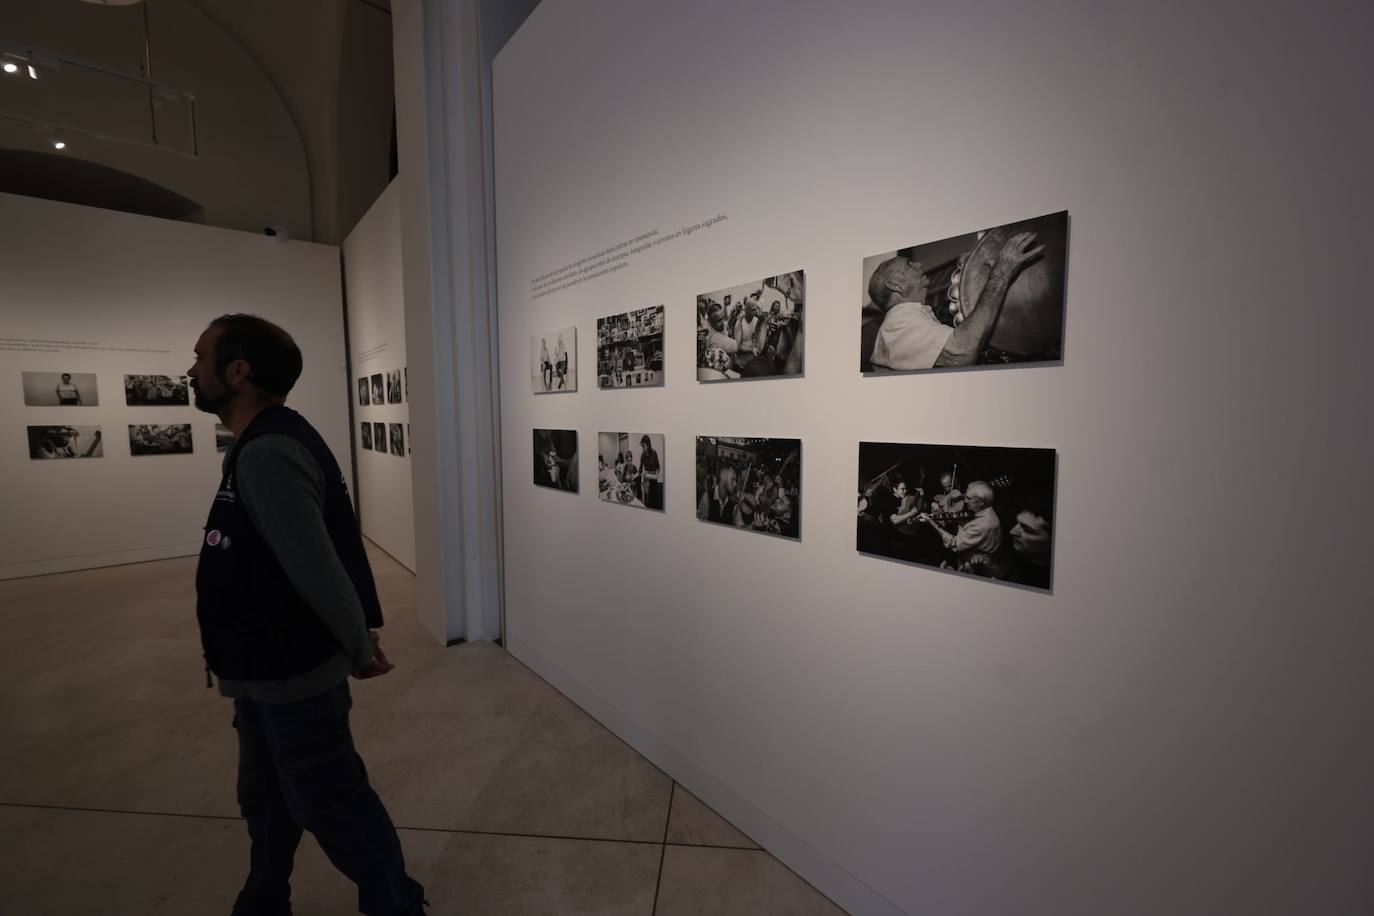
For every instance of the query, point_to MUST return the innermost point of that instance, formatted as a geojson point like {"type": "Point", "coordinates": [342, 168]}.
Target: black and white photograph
{"type": "Point", "coordinates": [398, 440]}
{"type": "Point", "coordinates": [629, 349]}
{"type": "Point", "coordinates": [555, 459]}
{"type": "Point", "coordinates": [65, 442]}
{"type": "Point", "coordinates": [753, 484]}
{"type": "Point", "coordinates": [629, 469]}
{"type": "Point", "coordinates": [378, 393]}
{"type": "Point", "coordinates": [405, 372]}
{"type": "Point", "coordinates": [978, 510]}
{"type": "Point", "coordinates": [994, 297]}
{"type": "Point", "coordinates": [156, 391]}
{"type": "Point", "coordinates": [159, 439]}
{"type": "Point", "coordinates": [754, 330]}
{"type": "Point", "coordinates": [365, 435]}
{"type": "Point", "coordinates": [379, 437]}
{"type": "Point", "coordinates": [553, 361]}
{"type": "Point", "coordinates": [224, 440]}
{"type": "Point", "coordinates": [364, 392]}
{"type": "Point", "coordinates": [393, 386]}
{"type": "Point", "coordinates": [410, 443]}
{"type": "Point", "coordinates": [60, 389]}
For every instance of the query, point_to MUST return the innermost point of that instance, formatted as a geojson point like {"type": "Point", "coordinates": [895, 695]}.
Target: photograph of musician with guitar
{"type": "Point", "coordinates": [754, 330]}
{"type": "Point", "coordinates": [990, 297]}
{"type": "Point", "coordinates": [990, 515]}
{"type": "Point", "coordinates": [753, 484]}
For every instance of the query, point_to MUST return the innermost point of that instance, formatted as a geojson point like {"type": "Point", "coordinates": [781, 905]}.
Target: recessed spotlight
{"type": "Point", "coordinates": [33, 72]}
{"type": "Point", "coordinates": [11, 67]}
{"type": "Point", "coordinates": [59, 144]}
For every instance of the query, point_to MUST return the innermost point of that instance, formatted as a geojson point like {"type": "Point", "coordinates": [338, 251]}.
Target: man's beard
{"type": "Point", "coordinates": [208, 404]}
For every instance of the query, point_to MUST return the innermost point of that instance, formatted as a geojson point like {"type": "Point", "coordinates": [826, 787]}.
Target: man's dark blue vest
{"type": "Point", "coordinates": [254, 626]}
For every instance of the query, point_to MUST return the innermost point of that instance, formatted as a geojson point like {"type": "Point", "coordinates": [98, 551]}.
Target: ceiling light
{"type": "Point", "coordinates": [59, 144]}
{"type": "Point", "coordinates": [11, 67]}
{"type": "Point", "coordinates": [33, 73]}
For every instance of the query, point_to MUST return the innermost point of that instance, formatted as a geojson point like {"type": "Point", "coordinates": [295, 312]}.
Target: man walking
{"type": "Point", "coordinates": [285, 602]}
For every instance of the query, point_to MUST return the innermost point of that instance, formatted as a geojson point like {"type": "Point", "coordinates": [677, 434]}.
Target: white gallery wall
{"type": "Point", "coordinates": [85, 290]}
{"type": "Point", "coordinates": [377, 343]}
{"type": "Point", "coordinates": [1182, 726]}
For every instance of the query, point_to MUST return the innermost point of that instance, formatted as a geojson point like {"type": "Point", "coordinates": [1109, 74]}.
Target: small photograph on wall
{"type": "Point", "coordinates": [398, 440]}
{"type": "Point", "coordinates": [224, 440]}
{"type": "Point", "coordinates": [159, 439]}
{"type": "Point", "coordinates": [379, 437]}
{"type": "Point", "coordinates": [378, 394]}
{"type": "Point", "coordinates": [754, 484]}
{"type": "Point", "coordinates": [629, 349]}
{"type": "Point", "coordinates": [405, 371]}
{"type": "Point", "coordinates": [365, 437]}
{"type": "Point", "coordinates": [977, 510]}
{"type": "Point", "coordinates": [555, 459]}
{"type": "Point", "coordinates": [60, 389]}
{"type": "Point", "coordinates": [754, 330]}
{"type": "Point", "coordinates": [553, 360]}
{"type": "Point", "coordinates": [994, 297]}
{"type": "Point", "coordinates": [393, 386]}
{"type": "Point", "coordinates": [156, 391]}
{"type": "Point", "coordinates": [65, 442]}
{"type": "Point", "coordinates": [629, 469]}
{"type": "Point", "coordinates": [364, 392]}
{"type": "Point", "coordinates": [410, 443]}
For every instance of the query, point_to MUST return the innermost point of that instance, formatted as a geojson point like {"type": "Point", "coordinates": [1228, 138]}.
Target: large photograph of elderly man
{"type": "Point", "coordinates": [994, 297]}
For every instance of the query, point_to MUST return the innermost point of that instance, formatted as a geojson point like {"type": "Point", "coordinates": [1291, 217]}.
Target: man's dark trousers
{"type": "Point", "coordinates": [298, 770]}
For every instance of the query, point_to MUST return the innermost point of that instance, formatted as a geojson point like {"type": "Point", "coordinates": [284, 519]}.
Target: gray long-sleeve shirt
{"type": "Point", "coordinates": [282, 488]}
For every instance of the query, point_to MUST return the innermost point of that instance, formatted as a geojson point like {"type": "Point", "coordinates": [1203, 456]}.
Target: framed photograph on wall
{"type": "Point", "coordinates": [393, 387]}
{"type": "Point", "coordinates": [365, 435]}
{"type": "Point", "coordinates": [156, 391]}
{"type": "Point", "coordinates": [364, 392]}
{"type": "Point", "coordinates": [378, 392]}
{"type": "Point", "coordinates": [555, 459]}
{"type": "Point", "coordinates": [993, 297]}
{"type": "Point", "coordinates": [754, 330]}
{"type": "Point", "coordinates": [398, 440]}
{"type": "Point", "coordinates": [47, 442]}
{"type": "Point", "coordinates": [160, 439]}
{"type": "Point", "coordinates": [629, 349]}
{"type": "Point", "coordinates": [553, 360]}
{"type": "Point", "coordinates": [379, 437]}
{"type": "Point", "coordinates": [224, 440]}
{"type": "Point", "coordinates": [980, 510]}
{"type": "Point", "coordinates": [754, 484]}
{"type": "Point", "coordinates": [629, 469]}
{"type": "Point", "coordinates": [61, 389]}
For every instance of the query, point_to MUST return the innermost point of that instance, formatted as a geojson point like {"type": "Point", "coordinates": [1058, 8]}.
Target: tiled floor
{"type": "Point", "coordinates": [117, 775]}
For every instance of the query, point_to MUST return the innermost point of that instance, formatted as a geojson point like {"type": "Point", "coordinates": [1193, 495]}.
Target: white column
{"type": "Point", "coordinates": [450, 317]}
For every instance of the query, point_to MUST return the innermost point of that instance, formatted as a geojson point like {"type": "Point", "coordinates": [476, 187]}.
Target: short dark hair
{"type": "Point", "coordinates": [267, 348]}
{"type": "Point", "coordinates": [644, 441]}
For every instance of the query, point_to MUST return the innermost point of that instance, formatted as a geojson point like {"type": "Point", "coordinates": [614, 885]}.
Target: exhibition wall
{"type": "Point", "coordinates": [105, 294]}
{"type": "Point", "coordinates": [377, 347]}
{"type": "Point", "coordinates": [1180, 725]}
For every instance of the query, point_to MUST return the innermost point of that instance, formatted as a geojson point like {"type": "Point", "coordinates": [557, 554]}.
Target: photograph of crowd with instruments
{"type": "Point", "coordinates": [160, 439]}
{"type": "Point", "coordinates": [629, 349]}
{"type": "Point", "coordinates": [990, 297]}
{"type": "Point", "coordinates": [553, 361]}
{"type": "Point", "coordinates": [629, 469]}
{"type": "Point", "coordinates": [983, 511]}
{"type": "Point", "coordinates": [754, 330]}
{"type": "Point", "coordinates": [555, 459]}
{"type": "Point", "coordinates": [753, 484]}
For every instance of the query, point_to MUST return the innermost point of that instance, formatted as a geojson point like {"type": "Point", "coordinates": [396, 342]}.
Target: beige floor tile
{"type": "Point", "coordinates": [569, 776]}
{"type": "Point", "coordinates": [693, 823]}
{"type": "Point", "coordinates": [704, 881]}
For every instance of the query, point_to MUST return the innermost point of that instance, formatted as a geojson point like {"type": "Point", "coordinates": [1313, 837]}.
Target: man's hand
{"type": "Point", "coordinates": [379, 665]}
{"type": "Point", "coordinates": [1019, 251]}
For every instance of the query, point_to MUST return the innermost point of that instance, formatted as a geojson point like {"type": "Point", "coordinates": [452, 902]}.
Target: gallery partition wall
{"type": "Point", "coordinates": [105, 460]}
{"type": "Point", "coordinates": [1054, 289]}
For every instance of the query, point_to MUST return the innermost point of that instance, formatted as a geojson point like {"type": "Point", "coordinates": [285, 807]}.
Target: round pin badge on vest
{"type": "Point", "coordinates": [213, 538]}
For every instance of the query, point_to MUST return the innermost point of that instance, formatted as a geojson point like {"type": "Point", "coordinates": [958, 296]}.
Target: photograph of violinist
{"type": "Point", "coordinates": [754, 484]}
{"type": "Point", "coordinates": [984, 298]}
{"type": "Point", "coordinates": [754, 330]}
{"type": "Point", "coordinates": [977, 510]}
